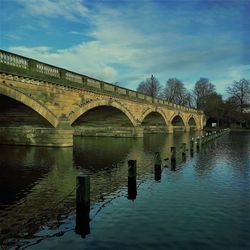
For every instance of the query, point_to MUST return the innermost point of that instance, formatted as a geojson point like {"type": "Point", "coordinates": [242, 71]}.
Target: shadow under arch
{"type": "Point", "coordinates": [30, 102]}
{"type": "Point", "coordinates": [177, 121]}
{"type": "Point", "coordinates": [154, 122]}
{"type": "Point", "coordinates": [192, 122]}
{"type": "Point", "coordinates": [98, 103]}
{"type": "Point", "coordinates": [159, 112]}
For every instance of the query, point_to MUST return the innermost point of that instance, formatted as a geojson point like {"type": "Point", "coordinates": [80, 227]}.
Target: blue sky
{"type": "Point", "coordinates": [127, 41]}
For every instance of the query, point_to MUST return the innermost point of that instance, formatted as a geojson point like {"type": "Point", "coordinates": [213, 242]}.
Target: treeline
{"type": "Point", "coordinates": [233, 111]}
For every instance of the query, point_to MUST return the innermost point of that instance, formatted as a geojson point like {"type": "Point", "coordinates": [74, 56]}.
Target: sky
{"type": "Point", "coordinates": [125, 42]}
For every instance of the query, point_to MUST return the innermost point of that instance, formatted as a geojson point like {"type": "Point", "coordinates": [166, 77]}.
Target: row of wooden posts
{"type": "Point", "coordinates": [199, 142]}
{"type": "Point", "coordinates": [83, 181]}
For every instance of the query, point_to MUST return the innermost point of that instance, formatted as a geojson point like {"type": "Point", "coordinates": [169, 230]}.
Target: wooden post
{"type": "Point", "coordinates": [183, 148]}
{"type": "Point", "coordinates": [206, 138]}
{"type": "Point", "coordinates": [157, 167]}
{"type": "Point", "coordinates": [192, 147]}
{"type": "Point", "coordinates": [132, 168]}
{"type": "Point", "coordinates": [132, 187]}
{"type": "Point", "coordinates": [209, 136]}
{"type": "Point", "coordinates": [183, 151]}
{"type": "Point", "coordinates": [157, 158]}
{"type": "Point", "coordinates": [82, 205]}
{"type": "Point", "coordinates": [173, 158]}
{"type": "Point", "coordinates": [198, 144]}
{"type": "Point", "coordinates": [83, 189]}
{"type": "Point", "coordinates": [173, 154]}
{"type": "Point", "coordinates": [157, 173]}
{"type": "Point", "coordinates": [202, 140]}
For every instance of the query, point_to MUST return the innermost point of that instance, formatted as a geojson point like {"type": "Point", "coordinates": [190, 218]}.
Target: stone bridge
{"type": "Point", "coordinates": [44, 105]}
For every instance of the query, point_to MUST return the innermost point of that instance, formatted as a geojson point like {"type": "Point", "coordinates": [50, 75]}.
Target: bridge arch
{"type": "Point", "coordinates": [29, 102]}
{"type": "Point", "coordinates": [177, 119]}
{"type": "Point", "coordinates": [156, 111]}
{"type": "Point", "coordinates": [98, 103]}
{"type": "Point", "coordinates": [192, 121]}
{"type": "Point", "coordinates": [153, 121]}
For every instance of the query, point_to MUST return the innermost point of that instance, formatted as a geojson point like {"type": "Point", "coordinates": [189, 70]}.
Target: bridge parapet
{"type": "Point", "coordinates": [11, 63]}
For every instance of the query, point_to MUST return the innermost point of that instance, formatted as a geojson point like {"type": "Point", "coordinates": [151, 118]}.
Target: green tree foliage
{"type": "Point", "coordinates": [231, 111]}
{"type": "Point", "coordinates": [150, 86]}
{"type": "Point", "coordinates": [214, 107]}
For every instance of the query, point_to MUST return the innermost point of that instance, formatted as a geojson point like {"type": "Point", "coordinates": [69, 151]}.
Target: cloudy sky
{"type": "Point", "coordinates": [127, 41]}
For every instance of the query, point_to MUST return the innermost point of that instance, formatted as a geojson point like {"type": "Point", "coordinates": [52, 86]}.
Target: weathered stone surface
{"type": "Point", "coordinates": [71, 103]}
{"type": "Point", "coordinates": [36, 136]}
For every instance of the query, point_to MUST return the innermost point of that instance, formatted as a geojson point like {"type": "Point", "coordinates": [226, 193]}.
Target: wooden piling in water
{"type": "Point", "coordinates": [157, 172]}
{"type": "Point", "coordinates": [157, 166]}
{"type": "Point", "coordinates": [173, 154]}
{"type": "Point", "coordinates": [198, 144]}
{"type": "Point", "coordinates": [82, 205]}
{"type": "Point", "coordinates": [83, 189]}
{"type": "Point", "coordinates": [132, 187]}
{"type": "Point", "coordinates": [184, 148]}
{"type": "Point", "coordinates": [192, 147]}
{"type": "Point", "coordinates": [132, 168]}
{"type": "Point", "coordinates": [157, 158]}
{"type": "Point", "coordinates": [184, 151]}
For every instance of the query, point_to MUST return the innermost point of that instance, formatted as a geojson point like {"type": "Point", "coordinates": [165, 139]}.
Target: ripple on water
{"type": "Point", "coordinates": [203, 204]}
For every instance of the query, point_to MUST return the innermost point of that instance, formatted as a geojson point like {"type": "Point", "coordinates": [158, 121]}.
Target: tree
{"type": "Point", "coordinates": [214, 108]}
{"type": "Point", "coordinates": [202, 90]}
{"type": "Point", "coordinates": [240, 90]}
{"type": "Point", "coordinates": [190, 100]}
{"type": "Point", "coordinates": [150, 86]}
{"type": "Point", "coordinates": [231, 110]}
{"type": "Point", "coordinates": [175, 91]}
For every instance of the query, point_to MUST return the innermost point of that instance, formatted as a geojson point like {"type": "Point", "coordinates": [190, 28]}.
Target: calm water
{"type": "Point", "coordinates": [203, 203]}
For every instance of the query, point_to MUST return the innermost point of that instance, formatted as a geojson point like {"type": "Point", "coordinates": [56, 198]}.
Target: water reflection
{"type": "Point", "coordinates": [41, 178]}
{"type": "Point", "coordinates": [39, 182]}
{"type": "Point", "coordinates": [100, 153]}
{"type": "Point", "coordinates": [210, 188]}
{"type": "Point", "coordinates": [17, 169]}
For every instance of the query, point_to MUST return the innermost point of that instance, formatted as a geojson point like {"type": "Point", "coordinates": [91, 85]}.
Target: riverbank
{"type": "Point", "coordinates": [231, 129]}
{"type": "Point", "coordinates": [239, 129]}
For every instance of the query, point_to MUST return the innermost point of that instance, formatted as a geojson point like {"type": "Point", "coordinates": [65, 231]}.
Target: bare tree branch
{"type": "Point", "coordinates": [150, 86]}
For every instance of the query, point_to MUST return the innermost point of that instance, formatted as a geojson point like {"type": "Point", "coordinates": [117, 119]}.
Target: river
{"type": "Point", "coordinates": [202, 203]}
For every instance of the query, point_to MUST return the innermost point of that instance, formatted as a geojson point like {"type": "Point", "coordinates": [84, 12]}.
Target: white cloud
{"type": "Point", "coordinates": [132, 40]}
{"type": "Point", "coordinates": [239, 72]}
{"type": "Point", "coordinates": [87, 58]}
{"type": "Point", "coordinates": [13, 36]}
{"type": "Point", "coordinates": [226, 77]}
{"type": "Point", "coordinates": [69, 9]}
{"type": "Point", "coordinates": [75, 33]}
{"type": "Point", "coordinates": [30, 51]}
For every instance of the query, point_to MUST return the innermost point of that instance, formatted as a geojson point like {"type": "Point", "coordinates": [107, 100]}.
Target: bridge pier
{"type": "Point", "coordinates": [138, 131]}
{"type": "Point", "coordinates": [108, 131]}
{"type": "Point", "coordinates": [35, 136]}
{"type": "Point", "coordinates": [44, 105]}
{"type": "Point", "coordinates": [170, 129]}
{"type": "Point", "coordinates": [155, 129]}
{"type": "Point", "coordinates": [187, 128]}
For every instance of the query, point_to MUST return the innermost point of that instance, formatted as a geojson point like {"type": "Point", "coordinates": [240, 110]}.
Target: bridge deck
{"type": "Point", "coordinates": [11, 63]}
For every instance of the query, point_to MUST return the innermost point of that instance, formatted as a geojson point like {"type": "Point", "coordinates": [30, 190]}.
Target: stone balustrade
{"type": "Point", "coordinates": [11, 63]}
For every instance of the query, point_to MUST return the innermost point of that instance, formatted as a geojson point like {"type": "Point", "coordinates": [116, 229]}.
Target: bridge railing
{"type": "Point", "coordinates": [11, 63]}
